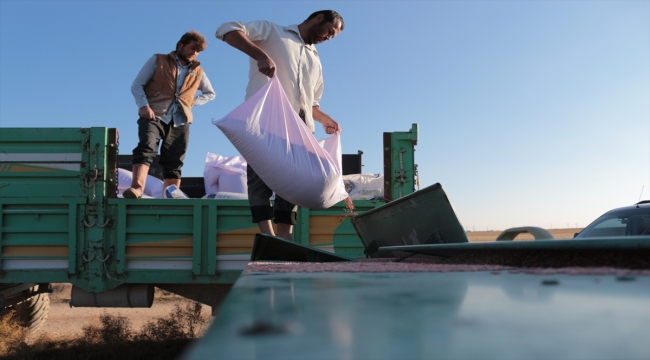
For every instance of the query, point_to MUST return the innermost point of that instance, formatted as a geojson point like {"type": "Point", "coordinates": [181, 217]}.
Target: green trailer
{"type": "Point", "coordinates": [62, 222]}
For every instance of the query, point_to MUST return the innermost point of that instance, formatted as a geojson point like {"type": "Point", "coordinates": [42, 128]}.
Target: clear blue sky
{"type": "Point", "coordinates": [530, 112]}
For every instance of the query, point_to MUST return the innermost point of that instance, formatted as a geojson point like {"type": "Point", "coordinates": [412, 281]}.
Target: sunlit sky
{"type": "Point", "coordinates": [530, 112]}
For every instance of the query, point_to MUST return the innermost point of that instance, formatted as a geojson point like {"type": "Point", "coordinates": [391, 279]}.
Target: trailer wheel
{"type": "Point", "coordinates": [32, 312]}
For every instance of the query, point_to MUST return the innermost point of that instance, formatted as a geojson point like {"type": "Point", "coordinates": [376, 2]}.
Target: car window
{"type": "Point", "coordinates": [618, 225]}
{"type": "Point", "coordinates": [605, 226]}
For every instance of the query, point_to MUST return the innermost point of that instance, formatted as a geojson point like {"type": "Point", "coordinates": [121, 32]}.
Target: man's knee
{"type": "Point", "coordinates": [143, 155]}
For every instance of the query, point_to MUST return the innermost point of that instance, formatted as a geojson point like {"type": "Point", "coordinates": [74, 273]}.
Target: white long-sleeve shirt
{"type": "Point", "coordinates": [298, 65]}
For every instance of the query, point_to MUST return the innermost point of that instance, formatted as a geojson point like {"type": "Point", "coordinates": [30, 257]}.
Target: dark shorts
{"type": "Point", "coordinates": [172, 152]}
{"type": "Point", "coordinates": [259, 197]}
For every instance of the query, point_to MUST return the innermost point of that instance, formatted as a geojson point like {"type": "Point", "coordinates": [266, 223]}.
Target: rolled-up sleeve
{"type": "Point", "coordinates": [318, 92]}
{"type": "Point", "coordinates": [143, 77]}
{"type": "Point", "coordinates": [254, 30]}
{"type": "Point", "coordinates": [207, 92]}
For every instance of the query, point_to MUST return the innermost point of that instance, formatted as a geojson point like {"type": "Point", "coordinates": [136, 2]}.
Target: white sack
{"type": "Point", "coordinates": [226, 196]}
{"type": "Point", "coordinates": [269, 134]}
{"type": "Point", "coordinates": [153, 187]}
{"type": "Point", "coordinates": [233, 183]}
{"type": "Point", "coordinates": [364, 186]}
{"type": "Point", "coordinates": [173, 192]}
{"type": "Point", "coordinates": [224, 174]}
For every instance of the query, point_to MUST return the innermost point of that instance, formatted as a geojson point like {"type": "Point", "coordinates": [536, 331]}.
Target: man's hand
{"type": "Point", "coordinates": [266, 66]}
{"type": "Point", "coordinates": [145, 112]}
{"type": "Point", "coordinates": [329, 125]}
{"type": "Point", "coordinates": [240, 41]}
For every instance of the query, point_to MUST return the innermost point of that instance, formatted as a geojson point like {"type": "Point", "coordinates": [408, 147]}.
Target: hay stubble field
{"type": "Point", "coordinates": [480, 236]}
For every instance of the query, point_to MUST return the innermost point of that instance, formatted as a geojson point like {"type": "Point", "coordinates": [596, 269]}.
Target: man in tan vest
{"type": "Point", "coordinates": [164, 91]}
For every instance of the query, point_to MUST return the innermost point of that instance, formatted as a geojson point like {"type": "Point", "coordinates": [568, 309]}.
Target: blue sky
{"type": "Point", "coordinates": [530, 112]}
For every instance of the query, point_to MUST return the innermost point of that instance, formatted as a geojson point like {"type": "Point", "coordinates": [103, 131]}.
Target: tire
{"type": "Point", "coordinates": [33, 312]}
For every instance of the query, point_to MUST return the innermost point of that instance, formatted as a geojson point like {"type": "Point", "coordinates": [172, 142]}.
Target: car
{"type": "Point", "coordinates": [625, 221]}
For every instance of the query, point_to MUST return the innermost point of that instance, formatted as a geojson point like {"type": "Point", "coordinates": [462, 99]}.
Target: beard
{"type": "Point", "coordinates": [183, 57]}
{"type": "Point", "coordinates": [314, 33]}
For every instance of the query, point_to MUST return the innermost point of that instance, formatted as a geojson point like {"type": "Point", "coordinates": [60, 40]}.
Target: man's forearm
{"type": "Point", "coordinates": [319, 115]}
{"type": "Point", "coordinates": [330, 125]}
{"type": "Point", "coordinates": [240, 41]}
{"type": "Point", "coordinates": [207, 92]}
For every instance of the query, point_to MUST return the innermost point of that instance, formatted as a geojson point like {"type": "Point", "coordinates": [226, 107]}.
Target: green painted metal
{"type": "Point", "coordinates": [61, 222]}
{"type": "Point", "coordinates": [301, 229]}
{"type": "Point", "coordinates": [342, 238]}
{"type": "Point", "coordinates": [120, 260]}
{"type": "Point", "coordinates": [21, 222]}
{"type": "Point", "coordinates": [346, 239]}
{"type": "Point", "coordinates": [424, 217]}
{"type": "Point", "coordinates": [197, 249]}
{"type": "Point", "coordinates": [601, 243]}
{"type": "Point", "coordinates": [72, 238]}
{"type": "Point", "coordinates": [458, 315]}
{"type": "Point", "coordinates": [23, 276]}
{"type": "Point", "coordinates": [211, 240]}
{"type": "Point", "coordinates": [97, 249]}
{"type": "Point", "coordinates": [158, 276]}
{"type": "Point", "coordinates": [1, 236]}
{"type": "Point", "coordinates": [160, 223]}
{"type": "Point", "coordinates": [273, 248]}
{"type": "Point", "coordinates": [155, 276]}
{"type": "Point", "coordinates": [400, 170]}
{"type": "Point", "coordinates": [23, 175]}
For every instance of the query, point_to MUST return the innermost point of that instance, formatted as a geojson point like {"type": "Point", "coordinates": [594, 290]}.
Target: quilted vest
{"type": "Point", "coordinates": [161, 89]}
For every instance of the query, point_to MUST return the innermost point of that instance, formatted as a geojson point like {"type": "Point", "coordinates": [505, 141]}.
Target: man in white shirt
{"type": "Point", "coordinates": [289, 53]}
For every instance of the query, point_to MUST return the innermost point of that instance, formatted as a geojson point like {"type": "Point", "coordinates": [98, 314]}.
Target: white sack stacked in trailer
{"type": "Point", "coordinates": [364, 186]}
{"type": "Point", "coordinates": [225, 174]}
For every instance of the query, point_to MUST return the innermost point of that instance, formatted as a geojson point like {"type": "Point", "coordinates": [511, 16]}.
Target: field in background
{"type": "Point", "coordinates": [478, 236]}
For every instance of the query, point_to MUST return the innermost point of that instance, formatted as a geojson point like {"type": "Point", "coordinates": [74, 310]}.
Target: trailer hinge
{"type": "Point", "coordinates": [401, 177]}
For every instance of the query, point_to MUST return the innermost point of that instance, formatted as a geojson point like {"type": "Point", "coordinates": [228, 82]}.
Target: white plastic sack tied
{"type": "Point", "coordinates": [275, 142]}
{"type": "Point", "coordinates": [364, 186]}
{"type": "Point", "coordinates": [224, 174]}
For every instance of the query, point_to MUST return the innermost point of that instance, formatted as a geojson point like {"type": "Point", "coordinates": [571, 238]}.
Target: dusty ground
{"type": "Point", "coordinates": [65, 322]}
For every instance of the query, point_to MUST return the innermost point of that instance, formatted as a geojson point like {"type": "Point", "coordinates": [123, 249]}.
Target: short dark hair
{"type": "Point", "coordinates": [329, 16]}
{"type": "Point", "coordinates": [193, 36]}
